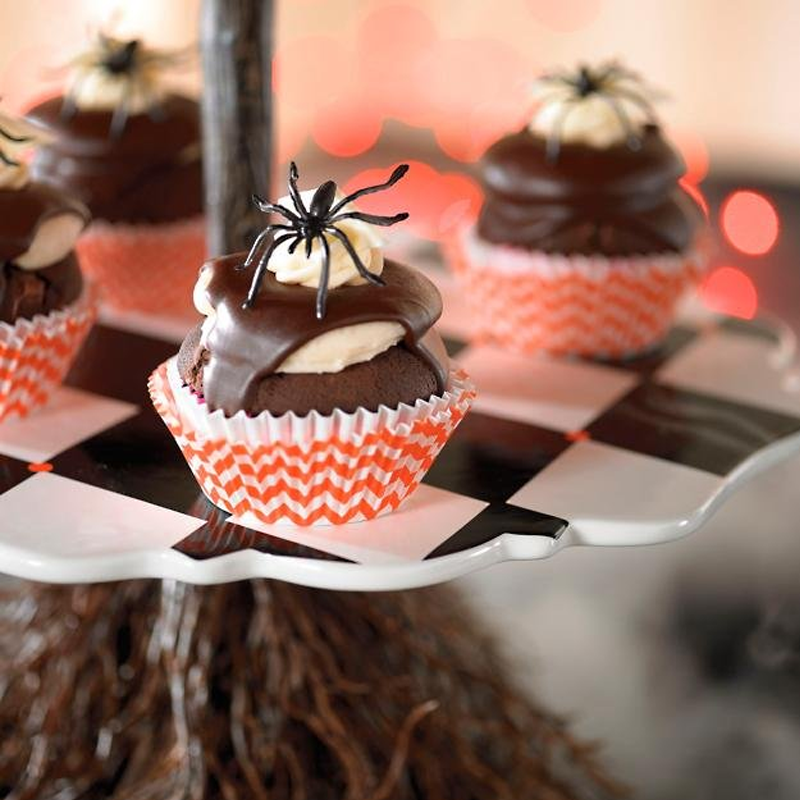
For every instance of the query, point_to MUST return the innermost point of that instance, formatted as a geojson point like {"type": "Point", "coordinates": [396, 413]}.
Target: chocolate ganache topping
{"type": "Point", "coordinates": [589, 175]}
{"type": "Point", "coordinates": [24, 211]}
{"type": "Point", "coordinates": [150, 172]}
{"type": "Point", "coordinates": [247, 343]}
{"type": "Point", "coordinates": [303, 301]}
{"type": "Point", "coordinates": [38, 228]}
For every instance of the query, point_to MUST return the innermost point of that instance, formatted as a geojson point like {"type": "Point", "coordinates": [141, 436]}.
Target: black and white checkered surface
{"type": "Point", "coordinates": [554, 452]}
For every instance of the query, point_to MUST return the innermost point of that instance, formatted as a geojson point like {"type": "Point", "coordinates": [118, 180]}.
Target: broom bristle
{"type": "Point", "coordinates": [264, 690]}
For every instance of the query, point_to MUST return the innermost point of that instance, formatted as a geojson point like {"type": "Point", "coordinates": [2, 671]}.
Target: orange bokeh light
{"type": "Point", "coordinates": [391, 42]}
{"type": "Point", "coordinates": [437, 202]}
{"type": "Point", "coordinates": [728, 290]}
{"type": "Point", "coordinates": [694, 153]}
{"type": "Point", "coordinates": [302, 71]}
{"type": "Point", "coordinates": [346, 128]}
{"type": "Point", "coordinates": [750, 222]}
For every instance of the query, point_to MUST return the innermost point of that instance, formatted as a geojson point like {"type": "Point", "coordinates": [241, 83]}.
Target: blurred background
{"type": "Point", "coordinates": [684, 660]}
{"type": "Point", "coordinates": [360, 83]}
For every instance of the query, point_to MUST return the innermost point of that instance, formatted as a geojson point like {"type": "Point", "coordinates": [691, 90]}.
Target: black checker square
{"type": "Point", "coordinates": [489, 458]}
{"type": "Point", "coordinates": [454, 346]}
{"type": "Point", "coordinates": [117, 363]}
{"type": "Point", "coordinates": [647, 363]}
{"type": "Point", "coordinates": [138, 458]}
{"type": "Point", "coordinates": [495, 520]}
{"type": "Point", "coordinates": [690, 428]}
{"type": "Point", "coordinates": [12, 472]}
{"type": "Point", "coordinates": [219, 537]}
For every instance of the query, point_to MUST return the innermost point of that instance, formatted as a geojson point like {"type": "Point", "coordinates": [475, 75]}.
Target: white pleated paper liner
{"type": "Point", "coordinates": [36, 354]}
{"type": "Point", "coordinates": [593, 305]}
{"type": "Point", "coordinates": [149, 268]}
{"type": "Point", "coordinates": [310, 470]}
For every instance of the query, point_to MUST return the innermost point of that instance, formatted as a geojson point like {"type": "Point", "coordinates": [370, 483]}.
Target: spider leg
{"type": "Point", "coordinates": [553, 147]}
{"type": "Point", "coordinates": [293, 245]}
{"type": "Point", "coordinates": [294, 192]}
{"type": "Point", "coordinates": [259, 241]}
{"type": "Point", "coordinates": [120, 116]}
{"type": "Point", "coordinates": [155, 108]}
{"type": "Point", "coordinates": [351, 251]}
{"type": "Point", "coordinates": [11, 138]}
{"type": "Point", "coordinates": [258, 275]}
{"type": "Point", "coordinates": [9, 162]}
{"type": "Point", "coordinates": [275, 208]}
{"type": "Point", "coordinates": [324, 277]}
{"type": "Point", "coordinates": [372, 219]}
{"type": "Point", "coordinates": [68, 105]}
{"type": "Point", "coordinates": [393, 178]}
{"type": "Point", "coordinates": [637, 100]}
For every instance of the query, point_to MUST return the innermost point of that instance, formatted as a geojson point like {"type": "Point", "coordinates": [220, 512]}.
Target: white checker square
{"type": "Point", "coordinates": [606, 491]}
{"type": "Point", "coordinates": [428, 518]}
{"type": "Point", "coordinates": [60, 517]}
{"type": "Point", "coordinates": [70, 416]}
{"type": "Point", "coordinates": [541, 390]}
{"type": "Point", "coordinates": [735, 367]}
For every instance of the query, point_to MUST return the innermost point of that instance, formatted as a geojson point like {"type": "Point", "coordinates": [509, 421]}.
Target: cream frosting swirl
{"type": "Point", "coordinates": [612, 112]}
{"type": "Point", "coordinates": [124, 76]}
{"type": "Point", "coordinates": [91, 89]}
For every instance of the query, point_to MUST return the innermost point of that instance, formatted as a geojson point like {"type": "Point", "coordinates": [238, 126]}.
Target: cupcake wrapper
{"type": "Point", "coordinates": [36, 354]}
{"type": "Point", "coordinates": [145, 268]}
{"type": "Point", "coordinates": [584, 305]}
{"type": "Point", "coordinates": [311, 470]}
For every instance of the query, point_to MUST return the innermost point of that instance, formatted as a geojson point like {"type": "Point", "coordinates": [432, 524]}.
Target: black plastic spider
{"type": "Point", "coordinates": [128, 60]}
{"type": "Point", "coordinates": [7, 160]}
{"type": "Point", "coordinates": [307, 224]}
{"type": "Point", "coordinates": [605, 83]}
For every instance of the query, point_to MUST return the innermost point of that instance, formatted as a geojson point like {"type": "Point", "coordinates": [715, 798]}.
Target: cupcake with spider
{"type": "Point", "coordinates": [45, 308]}
{"type": "Point", "coordinates": [130, 150]}
{"type": "Point", "coordinates": [316, 390]}
{"type": "Point", "coordinates": [586, 242]}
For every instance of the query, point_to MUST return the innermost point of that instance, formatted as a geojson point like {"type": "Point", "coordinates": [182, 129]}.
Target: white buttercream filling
{"type": "Point", "coordinates": [54, 240]}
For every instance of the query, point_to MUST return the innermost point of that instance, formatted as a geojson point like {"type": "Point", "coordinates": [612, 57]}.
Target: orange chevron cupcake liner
{"type": "Point", "coordinates": [583, 305]}
{"type": "Point", "coordinates": [150, 269]}
{"type": "Point", "coordinates": [36, 354]}
{"type": "Point", "coordinates": [312, 470]}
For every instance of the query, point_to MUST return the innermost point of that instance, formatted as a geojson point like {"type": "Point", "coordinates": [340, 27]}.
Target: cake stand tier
{"type": "Point", "coordinates": [556, 453]}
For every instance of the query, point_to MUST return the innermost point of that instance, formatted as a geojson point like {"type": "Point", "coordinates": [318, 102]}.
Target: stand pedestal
{"type": "Point", "coordinates": [260, 689]}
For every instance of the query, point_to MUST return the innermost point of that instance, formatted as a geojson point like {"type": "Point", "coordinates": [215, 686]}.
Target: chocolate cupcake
{"type": "Point", "coordinates": [45, 310]}
{"type": "Point", "coordinates": [317, 390]}
{"type": "Point", "coordinates": [130, 150]}
{"type": "Point", "coordinates": [586, 241]}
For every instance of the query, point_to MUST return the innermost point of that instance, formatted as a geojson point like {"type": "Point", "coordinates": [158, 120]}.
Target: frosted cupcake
{"type": "Point", "coordinates": [317, 390]}
{"type": "Point", "coordinates": [130, 150]}
{"type": "Point", "coordinates": [45, 309]}
{"type": "Point", "coordinates": [585, 242]}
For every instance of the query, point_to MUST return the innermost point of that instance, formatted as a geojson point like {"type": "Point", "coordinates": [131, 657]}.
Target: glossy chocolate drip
{"type": "Point", "coordinates": [22, 211]}
{"type": "Point", "coordinates": [151, 172]}
{"type": "Point", "coordinates": [245, 345]}
{"type": "Point", "coordinates": [26, 293]}
{"type": "Point", "coordinates": [613, 201]}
